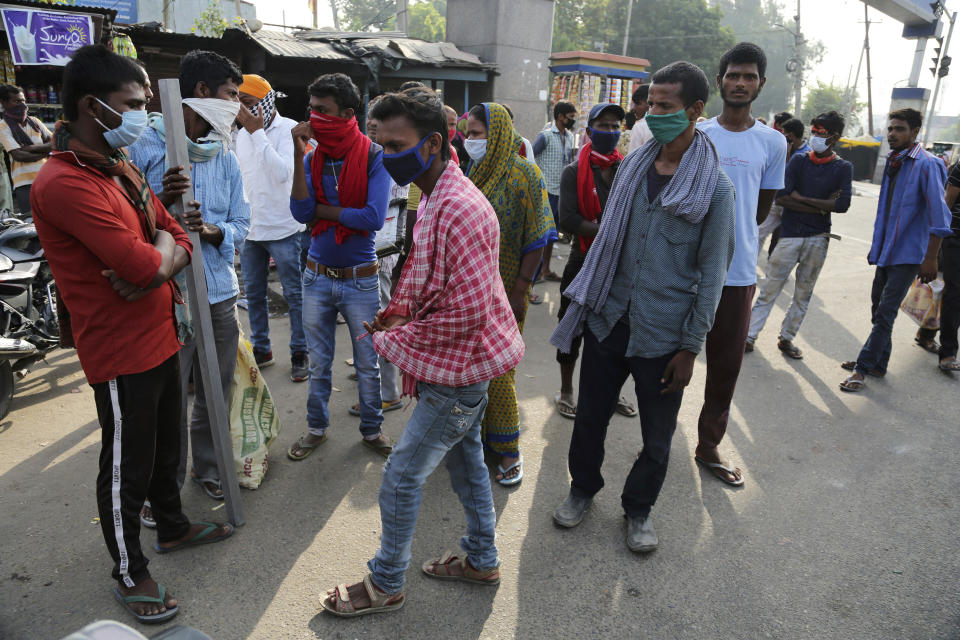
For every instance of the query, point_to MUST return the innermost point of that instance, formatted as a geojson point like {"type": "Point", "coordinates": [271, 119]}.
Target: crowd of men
{"type": "Point", "coordinates": [426, 234]}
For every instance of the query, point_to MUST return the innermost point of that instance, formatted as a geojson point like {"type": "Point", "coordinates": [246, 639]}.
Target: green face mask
{"type": "Point", "coordinates": [666, 127]}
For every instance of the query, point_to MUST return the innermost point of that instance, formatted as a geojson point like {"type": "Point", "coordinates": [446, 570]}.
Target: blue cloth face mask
{"type": "Point", "coordinates": [476, 149]}
{"type": "Point", "coordinates": [407, 166]}
{"type": "Point", "coordinates": [603, 142]}
{"type": "Point", "coordinates": [133, 124]}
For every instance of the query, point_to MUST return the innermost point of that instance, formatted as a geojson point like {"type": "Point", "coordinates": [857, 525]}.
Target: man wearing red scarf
{"type": "Point", "coordinates": [341, 192]}
{"type": "Point", "coordinates": [584, 187]}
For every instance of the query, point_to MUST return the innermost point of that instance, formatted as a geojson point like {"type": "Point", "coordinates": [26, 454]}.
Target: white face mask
{"type": "Point", "coordinates": [476, 149]}
{"type": "Point", "coordinates": [818, 144]}
{"type": "Point", "coordinates": [219, 114]}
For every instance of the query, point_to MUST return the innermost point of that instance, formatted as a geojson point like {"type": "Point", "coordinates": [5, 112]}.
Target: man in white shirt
{"type": "Point", "coordinates": [265, 151]}
{"type": "Point", "coordinates": [640, 133]}
{"type": "Point", "coordinates": [754, 157]}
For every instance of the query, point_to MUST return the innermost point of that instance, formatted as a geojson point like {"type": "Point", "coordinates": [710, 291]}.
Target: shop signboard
{"type": "Point", "coordinates": [126, 9]}
{"type": "Point", "coordinates": [45, 37]}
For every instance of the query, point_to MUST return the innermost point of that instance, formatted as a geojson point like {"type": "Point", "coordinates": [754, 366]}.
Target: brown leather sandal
{"type": "Point", "coordinates": [442, 569]}
{"type": "Point", "coordinates": [337, 601]}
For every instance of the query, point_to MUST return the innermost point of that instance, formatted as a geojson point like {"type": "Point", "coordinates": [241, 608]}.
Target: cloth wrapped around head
{"type": "Point", "coordinates": [258, 87]}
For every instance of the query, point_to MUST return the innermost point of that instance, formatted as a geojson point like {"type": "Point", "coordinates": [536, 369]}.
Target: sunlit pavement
{"type": "Point", "coordinates": [846, 527]}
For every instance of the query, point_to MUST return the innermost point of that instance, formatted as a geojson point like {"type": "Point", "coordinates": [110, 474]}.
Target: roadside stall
{"type": "Point", "coordinates": [586, 78]}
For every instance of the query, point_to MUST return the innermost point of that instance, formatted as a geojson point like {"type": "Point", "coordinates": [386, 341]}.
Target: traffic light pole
{"type": "Point", "coordinates": [943, 67]}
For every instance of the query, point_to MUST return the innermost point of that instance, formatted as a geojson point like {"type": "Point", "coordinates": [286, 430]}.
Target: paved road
{"type": "Point", "coordinates": [846, 528]}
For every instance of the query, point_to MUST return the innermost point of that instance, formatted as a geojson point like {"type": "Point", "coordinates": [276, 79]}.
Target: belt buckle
{"type": "Point", "coordinates": [331, 272]}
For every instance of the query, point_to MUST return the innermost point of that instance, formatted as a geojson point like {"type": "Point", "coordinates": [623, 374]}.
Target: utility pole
{"type": "Point", "coordinates": [626, 31]}
{"type": "Point", "coordinates": [795, 64]}
{"type": "Point", "coordinates": [167, 23]}
{"type": "Point", "coordinates": [942, 68]}
{"type": "Point", "coordinates": [866, 48]}
{"type": "Point", "coordinates": [333, 10]}
{"type": "Point", "coordinates": [798, 49]}
{"type": "Point", "coordinates": [403, 16]}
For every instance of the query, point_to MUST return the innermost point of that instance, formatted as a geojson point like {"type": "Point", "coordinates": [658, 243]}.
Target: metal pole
{"type": "Point", "coordinates": [936, 86]}
{"type": "Point", "coordinates": [200, 309]}
{"type": "Point", "coordinates": [403, 17]}
{"type": "Point", "coordinates": [866, 47]}
{"type": "Point", "coordinates": [626, 30]}
{"type": "Point", "coordinates": [798, 77]}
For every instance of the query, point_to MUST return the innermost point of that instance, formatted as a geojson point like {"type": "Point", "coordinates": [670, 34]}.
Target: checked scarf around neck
{"type": "Point", "coordinates": [116, 164]}
{"type": "Point", "coordinates": [895, 159]}
{"type": "Point", "coordinates": [687, 195]}
{"type": "Point", "coordinates": [588, 202]}
{"type": "Point", "coordinates": [340, 138]}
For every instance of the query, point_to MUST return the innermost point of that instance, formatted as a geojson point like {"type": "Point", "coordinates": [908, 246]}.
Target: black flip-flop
{"type": "Point", "coordinates": [201, 538]}
{"type": "Point", "coordinates": [205, 485]}
{"type": "Point", "coordinates": [851, 365]}
{"type": "Point", "coordinates": [928, 345]}
{"type": "Point", "coordinates": [158, 618]}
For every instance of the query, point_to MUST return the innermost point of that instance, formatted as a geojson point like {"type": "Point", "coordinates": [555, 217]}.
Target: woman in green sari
{"type": "Point", "coordinates": [516, 189]}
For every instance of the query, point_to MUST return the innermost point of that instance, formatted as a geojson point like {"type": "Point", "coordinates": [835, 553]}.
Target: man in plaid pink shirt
{"type": "Point", "coordinates": [450, 329]}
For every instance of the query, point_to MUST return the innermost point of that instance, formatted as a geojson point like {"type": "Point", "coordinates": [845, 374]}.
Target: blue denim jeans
{"type": "Point", "coordinates": [890, 285]}
{"type": "Point", "coordinates": [358, 300]}
{"type": "Point", "coordinates": [255, 260]}
{"type": "Point", "coordinates": [446, 422]}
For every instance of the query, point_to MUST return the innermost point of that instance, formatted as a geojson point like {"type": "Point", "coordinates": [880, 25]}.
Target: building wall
{"type": "Point", "coordinates": [183, 13]}
{"type": "Point", "coordinates": [516, 35]}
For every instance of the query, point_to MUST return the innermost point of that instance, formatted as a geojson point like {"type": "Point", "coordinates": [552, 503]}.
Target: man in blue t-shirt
{"type": "Point", "coordinates": [792, 129]}
{"type": "Point", "coordinates": [341, 191]}
{"type": "Point", "coordinates": [753, 155]}
{"type": "Point", "coordinates": [816, 184]}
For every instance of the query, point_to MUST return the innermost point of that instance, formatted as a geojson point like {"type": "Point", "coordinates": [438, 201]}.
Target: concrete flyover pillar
{"type": "Point", "coordinates": [516, 35]}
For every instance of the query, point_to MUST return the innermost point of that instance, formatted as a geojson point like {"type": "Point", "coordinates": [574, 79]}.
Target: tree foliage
{"type": "Point", "coordinates": [211, 23]}
{"type": "Point", "coordinates": [662, 32]}
{"type": "Point", "coordinates": [427, 19]}
{"type": "Point", "coordinates": [831, 97]}
{"type": "Point", "coordinates": [690, 30]}
{"type": "Point", "coordinates": [756, 21]}
{"type": "Point", "coordinates": [366, 15]}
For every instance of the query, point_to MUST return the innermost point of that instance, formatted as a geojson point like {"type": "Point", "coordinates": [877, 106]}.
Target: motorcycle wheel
{"type": "Point", "coordinates": [6, 388]}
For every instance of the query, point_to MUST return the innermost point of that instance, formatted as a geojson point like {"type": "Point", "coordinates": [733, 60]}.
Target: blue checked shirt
{"type": "Point", "coordinates": [218, 187]}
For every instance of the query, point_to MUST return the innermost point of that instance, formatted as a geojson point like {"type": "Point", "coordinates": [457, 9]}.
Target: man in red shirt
{"type": "Point", "coordinates": [114, 249]}
{"type": "Point", "coordinates": [450, 329]}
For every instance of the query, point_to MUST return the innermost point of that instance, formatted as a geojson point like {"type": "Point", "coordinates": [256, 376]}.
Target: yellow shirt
{"type": "Point", "coordinates": [23, 173]}
{"type": "Point", "coordinates": [413, 198]}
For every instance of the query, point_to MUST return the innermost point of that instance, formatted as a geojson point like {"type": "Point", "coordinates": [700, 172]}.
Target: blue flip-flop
{"type": "Point", "coordinates": [515, 480]}
{"type": "Point", "coordinates": [157, 618]}
{"type": "Point", "coordinates": [201, 538]}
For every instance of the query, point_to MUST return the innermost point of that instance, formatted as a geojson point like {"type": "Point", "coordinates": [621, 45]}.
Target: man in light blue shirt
{"type": "Point", "coordinates": [754, 156]}
{"type": "Point", "coordinates": [554, 149]}
{"type": "Point", "coordinates": [218, 187]}
{"type": "Point", "coordinates": [912, 217]}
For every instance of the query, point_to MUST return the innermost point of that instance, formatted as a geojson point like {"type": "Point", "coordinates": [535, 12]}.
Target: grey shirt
{"type": "Point", "coordinates": [670, 275]}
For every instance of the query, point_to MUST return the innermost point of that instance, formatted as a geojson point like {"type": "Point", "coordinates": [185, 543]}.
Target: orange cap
{"type": "Point", "coordinates": [255, 86]}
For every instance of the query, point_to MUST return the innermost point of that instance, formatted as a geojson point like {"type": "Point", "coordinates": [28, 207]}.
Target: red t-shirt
{"type": "Point", "coordinates": [87, 223]}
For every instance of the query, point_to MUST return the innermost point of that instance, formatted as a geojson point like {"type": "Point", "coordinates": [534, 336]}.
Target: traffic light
{"type": "Point", "coordinates": [944, 67]}
{"type": "Point", "coordinates": [936, 58]}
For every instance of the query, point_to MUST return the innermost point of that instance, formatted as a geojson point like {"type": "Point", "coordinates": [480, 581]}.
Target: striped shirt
{"type": "Point", "coordinates": [23, 173]}
{"type": "Point", "coordinates": [218, 187]}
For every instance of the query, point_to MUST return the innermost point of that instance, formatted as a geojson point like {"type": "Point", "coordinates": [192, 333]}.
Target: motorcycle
{"type": "Point", "coordinates": [29, 328]}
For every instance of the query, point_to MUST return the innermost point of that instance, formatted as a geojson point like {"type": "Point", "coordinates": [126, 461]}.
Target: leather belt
{"type": "Point", "coordinates": [343, 273]}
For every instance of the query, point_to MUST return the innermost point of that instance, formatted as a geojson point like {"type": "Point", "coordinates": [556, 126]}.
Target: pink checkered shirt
{"type": "Point", "coordinates": [462, 330]}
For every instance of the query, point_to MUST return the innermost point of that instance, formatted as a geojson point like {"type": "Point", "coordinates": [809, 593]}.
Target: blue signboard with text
{"type": "Point", "coordinates": [126, 9]}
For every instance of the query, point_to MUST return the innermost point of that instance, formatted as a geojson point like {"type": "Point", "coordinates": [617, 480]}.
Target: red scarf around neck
{"type": "Point", "coordinates": [340, 138]}
{"type": "Point", "coordinates": [588, 202]}
{"type": "Point", "coordinates": [815, 159]}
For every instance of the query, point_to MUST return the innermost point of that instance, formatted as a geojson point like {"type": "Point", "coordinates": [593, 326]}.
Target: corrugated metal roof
{"type": "Point", "coordinates": [285, 45]}
{"type": "Point", "coordinates": [334, 46]}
